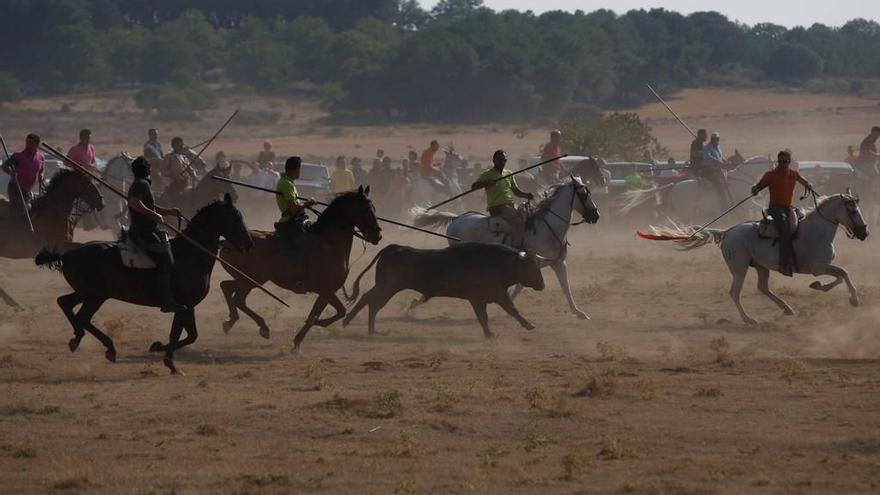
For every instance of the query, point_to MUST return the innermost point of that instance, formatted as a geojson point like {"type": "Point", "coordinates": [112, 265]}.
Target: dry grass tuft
{"type": "Point", "coordinates": [572, 466]}
{"type": "Point", "coordinates": [721, 347]}
{"type": "Point", "coordinates": [27, 410]}
{"type": "Point", "coordinates": [609, 351]}
{"type": "Point", "coordinates": [6, 361]}
{"type": "Point", "coordinates": [614, 449]}
{"type": "Point", "coordinates": [601, 386]}
{"type": "Point", "coordinates": [389, 402]}
{"type": "Point", "coordinates": [74, 483]}
{"type": "Point", "coordinates": [266, 479]}
{"type": "Point", "coordinates": [207, 430]}
{"type": "Point", "coordinates": [711, 392]}
{"type": "Point", "coordinates": [490, 456]}
{"type": "Point", "coordinates": [443, 397]}
{"type": "Point", "coordinates": [535, 440]}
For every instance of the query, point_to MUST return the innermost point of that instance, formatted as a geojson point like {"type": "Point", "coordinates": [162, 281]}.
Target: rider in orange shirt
{"type": "Point", "coordinates": [781, 181]}
{"type": "Point", "coordinates": [429, 170]}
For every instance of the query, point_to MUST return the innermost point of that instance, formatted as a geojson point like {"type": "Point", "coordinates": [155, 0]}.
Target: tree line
{"type": "Point", "coordinates": [391, 60]}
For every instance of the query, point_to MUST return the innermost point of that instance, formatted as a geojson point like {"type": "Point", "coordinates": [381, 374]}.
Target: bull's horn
{"type": "Point", "coordinates": [541, 258]}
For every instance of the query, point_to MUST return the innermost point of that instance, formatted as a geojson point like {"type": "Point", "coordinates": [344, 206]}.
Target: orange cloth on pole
{"type": "Point", "coordinates": [781, 186]}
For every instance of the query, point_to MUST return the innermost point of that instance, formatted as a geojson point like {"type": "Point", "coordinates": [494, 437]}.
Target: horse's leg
{"type": "Point", "coordinates": [177, 325]}
{"type": "Point", "coordinates": [240, 301]}
{"type": "Point", "coordinates": [340, 312]}
{"type": "Point", "coordinates": [764, 287]}
{"type": "Point", "coordinates": [506, 304]}
{"type": "Point", "coordinates": [826, 287]}
{"type": "Point", "coordinates": [83, 320]}
{"type": "Point", "coordinates": [188, 323]}
{"type": "Point", "coordinates": [67, 303]}
{"type": "Point", "coordinates": [561, 271]}
{"type": "Point", "coordinates": [837, 271]}
{"type": "Point", "coordinates": [414, 304]}
{"type": "Point", "coordinates": [739, 277]}
{"type": "Point", "coordinates": [363, 301]}
{"type": "Point", "coordinates": [314, 314]}
{"type": "Point", "coordinates": [482, 316]}
{"type": "Point", "coordinates": [228, 288]}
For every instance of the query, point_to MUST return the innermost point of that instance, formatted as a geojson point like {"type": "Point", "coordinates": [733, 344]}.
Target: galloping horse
{"type": "Point", "coordinates": [96, 274]}
{"type": "Point", "coordinates": [546, 228]}
{"type": "Point", "coordinates": [692, 200]}
{"type": "Point", "coordinates": [326, 246]}
{"type": "Point", "coordinates": [813, 246]}
{"type": "Point", "coordinates": [117, 172]}
{"type": "Point", "coordinates": [68, 196]}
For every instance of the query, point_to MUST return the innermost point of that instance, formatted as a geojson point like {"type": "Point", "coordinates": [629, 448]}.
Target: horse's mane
{"type": "Point", "coordinates": [54, 185]}
{"type": "Point", "coordinates": [331, 214]}
{"type": "Point", "coordinates": [201, 215]}
{"type": "Point", "coordinates": [550, 195]}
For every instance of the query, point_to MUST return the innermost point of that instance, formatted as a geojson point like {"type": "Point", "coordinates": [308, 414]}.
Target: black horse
{"type": "Point", "coordinates": [96, 274]}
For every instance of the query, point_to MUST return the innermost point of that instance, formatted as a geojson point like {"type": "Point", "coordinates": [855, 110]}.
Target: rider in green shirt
{"type": "Point", "coordinates": [293, 210]}
{"type": "Point", "coordinates": [500, 191]}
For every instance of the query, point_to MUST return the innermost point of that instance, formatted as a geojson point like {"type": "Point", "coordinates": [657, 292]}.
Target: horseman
{"type": "Point", "coordinates": [711, 168]}
{"type": "Point", "coordinates": [26, 169]}
{"type": "Point", "coordinates": [222, 168]}
{"type": "Point", "coordinates": [154, 154]}
{"type": "Point", "coordinates": [781, 182]}
{"type": "Point", "coordinates": [500, 190]}
{"type": "Point", "coordinates": [293, 220]}
{"type": "Point", "coordinates": [551, 170]}
{"type": "Point", "coordinates": [83, 152]}
{"type": "Point", "coordinates": [866, 163]}
{"type": "Point", "coordinates": [177, 171]}
{"type": "Point", "coordinates": [429, 170]}
{"type": "Point", "coordinates": [146, 216]}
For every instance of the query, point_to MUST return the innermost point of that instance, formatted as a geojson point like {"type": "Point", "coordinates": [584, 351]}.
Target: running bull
{"type": "Point", "coordinates": [478, 272]}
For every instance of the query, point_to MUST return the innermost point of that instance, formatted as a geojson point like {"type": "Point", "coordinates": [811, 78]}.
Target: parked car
{"type": "Point", "coordinates": [314, 182]}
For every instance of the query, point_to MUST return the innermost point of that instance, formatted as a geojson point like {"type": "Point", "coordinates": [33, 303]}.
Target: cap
{"type": "Point", "coordinates": [716, 135]}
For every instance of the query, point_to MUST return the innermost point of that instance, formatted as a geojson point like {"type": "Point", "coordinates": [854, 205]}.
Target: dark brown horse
{"type": "Point", "coordinates": [54, 215]}
{"type": "Point", "coordinates": [96, 274]}
{"type": "Point", "coordinates": [327, 247]}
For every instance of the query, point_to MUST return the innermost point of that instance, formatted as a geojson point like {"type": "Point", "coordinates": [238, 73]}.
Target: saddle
{"type": "Point", "coordinates": [767, 229]}
{"type": "Point", "coordinates": [498, 226]}
{"type": "Point", "coordinates": [132, 255]}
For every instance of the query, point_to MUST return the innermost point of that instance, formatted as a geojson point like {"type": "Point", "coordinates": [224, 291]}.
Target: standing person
{"type": "Point", "coordinates": [713, 160]}
{"type": "Point", "coordinates": [781, 181]}
{"type": "Point", "coordinates": [500, 191]}
{"type": "Point", "coordinates": [851, 157]}
{"type": "Point", "coordinates": [176, 169]}
{"type": "Point", "coordinates": [866, 164]}
{"type": "Point", "coordinates": [696, 158]}
{"type": "Point", "coordinates": [222, 168]}
{"type": "Point", "coordinates": [83, 152]}
{"type": "Point", "coordinates": [26, 169]}
{"type": "Point", "coordinates": [144, 230]}
{"type": "Point", "coordinates": [380, 154]}
{"type": "Point", "coordinates": [341, 180]}
{"type": "Point", "coordinates": [266, 158]}
{"type": "Point", "coordinates": [360, 175]}
{"type": "Point", "coordinates": [550, 171]}
{"type": "Point", "coordinates": [153, 148]}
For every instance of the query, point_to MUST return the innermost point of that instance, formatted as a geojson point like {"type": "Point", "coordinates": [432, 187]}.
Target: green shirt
{"type": "Point", "coordinates": [286, 193]}
{"type": "Point", "coordinates": [500, 193]}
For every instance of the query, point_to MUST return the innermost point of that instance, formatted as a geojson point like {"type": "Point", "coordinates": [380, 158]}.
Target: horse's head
{"type": "Point", "coordinates": [590, 169]}
{"type": "Point", "coordinates": [359, 211]}
{"type": "Point", "coordinates": [848, 214]}
{"type": "Point", "coordinates": [70, 185]}
{"type": "Point", "coordinates": [734, 161]}
{"type": "Point", "coordinates": [223, 219]}
{"type": "Point", "coordinates": [583, 201]}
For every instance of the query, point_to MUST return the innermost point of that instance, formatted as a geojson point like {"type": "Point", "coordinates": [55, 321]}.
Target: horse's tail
{"type": "Point", "coordinates": [46, 257]}
{"type": "Point", "coordinates": [637, 197]}
{"type": "Point", "coordinates": [684, 238]}
{"type": "Point", "coordinates": [432, 219]}
{"type": "Point", "coordinates": [356, 288]}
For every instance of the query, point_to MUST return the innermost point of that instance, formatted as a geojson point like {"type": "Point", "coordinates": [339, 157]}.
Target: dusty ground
{"type": "Point", "coordinates": [663, 391]}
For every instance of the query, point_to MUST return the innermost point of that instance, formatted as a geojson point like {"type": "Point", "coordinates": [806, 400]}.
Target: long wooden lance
{"type": "Point", "coordinates": [208, 142]}
{"type": "Point", "coordinates": [174, 229]}
{"type": "Point", "coordinates": [14, 178]}
{"type": "Point", "coordinates": [672, 112]}
{"type": "Point", "coordinates": [457, 196]}
{"type": "Point", "coordinates": [705, 226]}
{"type": "Point", "coordinates": [387, 220]}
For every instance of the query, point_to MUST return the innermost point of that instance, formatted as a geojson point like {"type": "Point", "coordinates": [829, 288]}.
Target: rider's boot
{"type": "Point", "coordinates": [166, 294]}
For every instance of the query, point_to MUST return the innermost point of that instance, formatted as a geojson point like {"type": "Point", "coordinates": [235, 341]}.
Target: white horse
{"type": "Point", "coordinates": [813, 247]}
{"type": "Point", "coordinates": [118, 173]}
{"type": "Point", "coordinates": [423, 193]}
{"type": "Point", "coordinates": [546, 228]}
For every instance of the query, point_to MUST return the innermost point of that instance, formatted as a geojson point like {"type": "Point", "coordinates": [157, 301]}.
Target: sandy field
{"type": "Point", "coordinates": [663, 391]}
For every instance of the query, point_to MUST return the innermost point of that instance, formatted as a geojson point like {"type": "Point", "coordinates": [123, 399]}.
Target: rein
{"type": "Point", "coordinates": [562, 241]}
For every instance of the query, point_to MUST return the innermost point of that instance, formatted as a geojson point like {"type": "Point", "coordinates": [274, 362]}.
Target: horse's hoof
{"type": "Point", "coordinates": [489, 335]}
{"type": "Point", "coordinates": [295, 351]}
{"type": "Point", "coordinates": [169, 363]}
{"type": "Point", "coordinates": [529, 326]}
{"type": "Point", "coordinates": [788, 311]}
{"type": "Point", "coordinates": [750, 321]}
{"type": "Point", "coordinates": [156, 347]}
{"type": "Point", "coordinates": [816, 285]}
{"type": "Point", "coordinates": [264, 332]}
{"type": "Point", "coordinates": [227, 326]}
{"type": "Point", "coordinates": [73, 344]}
{"type": "Point", "coordinates": [582, 316]}
{"type": "Point", "coordinates": [854, 301]}
{"type": "Point", "coordinates": [110, 355]}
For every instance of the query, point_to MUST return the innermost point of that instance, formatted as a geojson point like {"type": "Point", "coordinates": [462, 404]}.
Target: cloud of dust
{"type": "Point", "coordinates": [858, 338]}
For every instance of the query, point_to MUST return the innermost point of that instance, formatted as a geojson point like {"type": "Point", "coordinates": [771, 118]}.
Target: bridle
{"type": "Point", "coordinates": [848, 201]}
{"type": "Point", "coordinates": [561, 240]}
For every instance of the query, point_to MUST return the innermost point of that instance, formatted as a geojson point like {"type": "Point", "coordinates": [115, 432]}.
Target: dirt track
{"type": "Point", "coordinates": [663, 391]}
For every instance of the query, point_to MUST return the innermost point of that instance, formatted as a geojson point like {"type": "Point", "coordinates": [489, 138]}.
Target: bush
{"type": "Point", "coordinates": [613, 135]}
{"type": "Point", "coordinates": [792, 62]}
{"type": "Point", "coordinates": [10, 88]}
{"type": "Point", "coordinates": [175, 102]}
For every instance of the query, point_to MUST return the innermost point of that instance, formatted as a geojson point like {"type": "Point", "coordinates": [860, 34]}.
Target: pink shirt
{"type": "Point", "coordinates": [28, 168]}
{"type": "Point", "coordinates": [83, 156]}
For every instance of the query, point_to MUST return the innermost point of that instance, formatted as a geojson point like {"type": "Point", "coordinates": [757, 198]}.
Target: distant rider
{"type": "Point", "coordinates": [711, 169]}
{"type": "Point", "coordinates": [551, 170]}
{"type": "Point", "coordinates": [500, 191]}
{"type": "Point", "coordinates": [429, 170]}
{"type": "Point", "coordinates": [146, 216]}
{"type": "Point", "coordinates": [176, 170]}
{"type": "Point", "coordinates": [293, 222]}
{"type": "Point", "coordinates": [26, 168]}
{"type": "Point", "coordinates": [83, 152]}
{"type": "Point", "coordinates": [781, 182]}
{"type": "Point", "coordinates": [866, 163]}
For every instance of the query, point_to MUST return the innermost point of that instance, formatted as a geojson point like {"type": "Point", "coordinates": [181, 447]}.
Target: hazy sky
{"type": "Point", "coordinates": [785, 12]}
